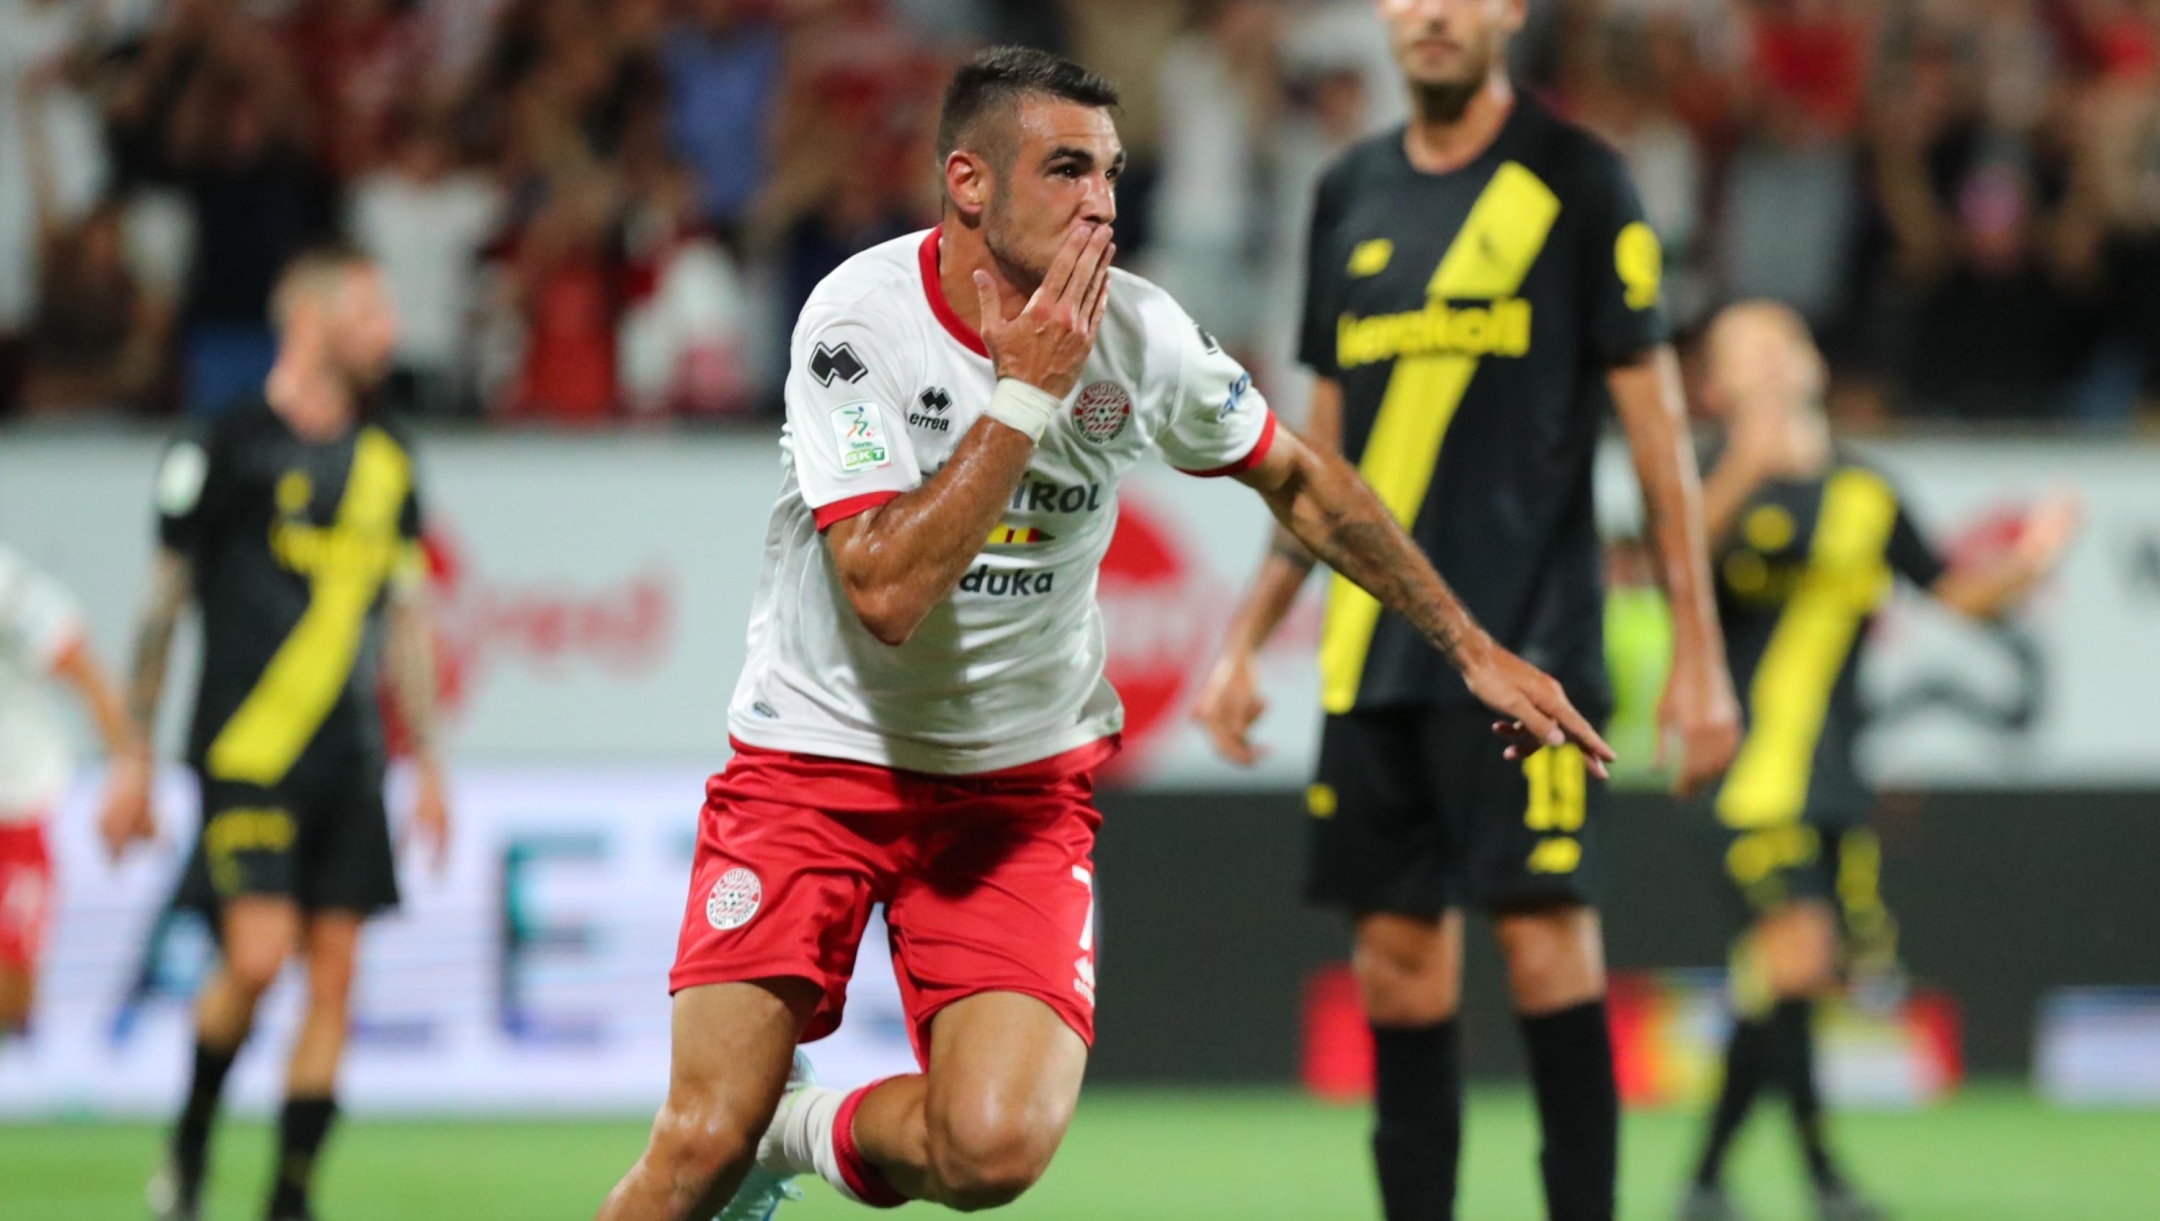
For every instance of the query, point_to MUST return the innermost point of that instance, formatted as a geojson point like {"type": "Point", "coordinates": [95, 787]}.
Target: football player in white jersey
{"type": "Point", "coordinates": [41, 638]}
{"type": "Point", "coordinates": [924, 701]}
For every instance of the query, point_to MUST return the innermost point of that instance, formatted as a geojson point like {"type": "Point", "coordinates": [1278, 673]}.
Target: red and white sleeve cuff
{"type": "Point", "coordinates": [1252, 458]}
{"type": "Point", "coordinates": [838, 511]}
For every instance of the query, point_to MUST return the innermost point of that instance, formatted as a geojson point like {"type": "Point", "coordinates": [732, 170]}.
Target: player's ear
{"type": "Point", "coordinates": [1514, 14]}
{"type": "Point", "coordinates": [967, 182]}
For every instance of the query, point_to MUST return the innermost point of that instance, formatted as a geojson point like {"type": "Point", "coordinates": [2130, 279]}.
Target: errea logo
{"type": "Point", "coordinates": [931, 410]}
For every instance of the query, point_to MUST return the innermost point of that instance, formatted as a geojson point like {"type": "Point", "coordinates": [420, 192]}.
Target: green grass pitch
{"type": "Point", "coordinates": [1994, 1155]}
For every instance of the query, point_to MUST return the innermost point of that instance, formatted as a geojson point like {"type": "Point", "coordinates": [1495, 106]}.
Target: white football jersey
{"type": "Point", "coordinates": [883, 381]}
{"type": "Point", "coordinates": [38, 625]}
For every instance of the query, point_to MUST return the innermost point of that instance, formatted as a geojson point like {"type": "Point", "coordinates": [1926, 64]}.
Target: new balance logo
{"type": "Point", "coordinates": [828, 363]}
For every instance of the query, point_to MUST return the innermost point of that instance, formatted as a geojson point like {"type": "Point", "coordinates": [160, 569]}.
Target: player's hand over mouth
{"type": "Point", "coordinates": [1534, 710]}
{"type": "Point", "coordinates": [1046, 341]}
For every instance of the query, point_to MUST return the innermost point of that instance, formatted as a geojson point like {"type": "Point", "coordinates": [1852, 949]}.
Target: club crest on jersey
{"type": "Point", "coordinates": [734, 900]}
{"type": "Point", "coordinates": [1102, 411]}
{"type": "Point", "coordinates": [859, 432]}
{"type": "Point", "coordinates": [827, 363]}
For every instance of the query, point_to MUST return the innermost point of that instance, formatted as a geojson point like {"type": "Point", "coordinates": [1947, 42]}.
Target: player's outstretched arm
{"type": "Point", "coordinates": [899, 560]}
{"type": "Point", "coordinates": [1321, 500]}
{"type": "Point", "coordinates": [1990, 590]}
{"type": "Point", "coordinates": [409, 654]}
{"type": "Point", "coordinates": [1229, 701]}
{"type": "Point", "coordinates": [122, 820]}
{"type": "Point", "coordinates": [1700, 715]}
{"type": "Point", "coordinates": [127, 803]}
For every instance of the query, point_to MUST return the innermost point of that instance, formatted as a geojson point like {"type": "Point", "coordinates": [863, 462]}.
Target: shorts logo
{"type": "Point", "coordinates": [827, 363]}
{"type": "Point", "coordinates": [859, 432]}
{"type": "Point", "coordinates": [1102, 411]}
{"type": "Point", "coordinates": [734, 900]}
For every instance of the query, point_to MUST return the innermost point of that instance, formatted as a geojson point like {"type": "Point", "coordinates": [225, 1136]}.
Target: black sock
{"type": "Point", "coordinates": [1792, 1026]}
{"type": "Point", "coordinates": [302, 1125]}
{"type": "Point", "coordinates": [1747, 1066]}
{"type": "Point", "coordinates": [191, 1132]}
{"type": "Point", "coordinates": [1571, 1069]}
{"type": "Point", "coordinates": [1417, 1118]}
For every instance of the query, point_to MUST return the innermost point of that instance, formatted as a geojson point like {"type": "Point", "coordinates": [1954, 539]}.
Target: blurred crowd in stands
{"type": "Point", "coordinates": [603, 210]}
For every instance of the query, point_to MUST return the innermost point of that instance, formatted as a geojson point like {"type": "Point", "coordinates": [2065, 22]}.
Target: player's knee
{"type": "Point", "coordinates": [693, 1144]}
{"type": "Point", "coordinates": [988, 1153]}
{"type": "Point", "coordinates": [1553, 959]}
{"type": "Point", "coordinates": [253, 963]}
{"type": "Point", "coordinates": [1405, 982]}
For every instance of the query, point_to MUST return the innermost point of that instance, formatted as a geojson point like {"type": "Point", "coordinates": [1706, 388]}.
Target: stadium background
{"type": "Point", "coordinates": [598, 218]}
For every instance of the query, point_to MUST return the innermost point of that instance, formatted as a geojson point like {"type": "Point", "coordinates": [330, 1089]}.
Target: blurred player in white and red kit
{"type": "Point", "coordinates": [42, 639]}
{"type": "Point", "coordinates": [924, 701]}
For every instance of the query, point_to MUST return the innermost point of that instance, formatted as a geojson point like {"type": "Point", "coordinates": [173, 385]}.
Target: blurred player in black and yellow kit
{"type": "Point", "coordinates": [292, 523]}
{"type": "Point", "coordinates": [1808, 539]}
{"type": "Point", "coordinates": [1481, 283]}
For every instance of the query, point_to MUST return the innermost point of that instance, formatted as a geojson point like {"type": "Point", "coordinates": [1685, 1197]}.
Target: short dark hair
{"type": "Point", "coordinates": [310, 270]}
{"type": "Point", "coordinates": [1001, 76]}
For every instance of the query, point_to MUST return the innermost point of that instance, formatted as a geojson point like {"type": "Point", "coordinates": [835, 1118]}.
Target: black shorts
{"type": "Point", "coordinates": [324, 846]}
{"type": "Point", "coordinates": [1417, 811]}
{"type": "Point", "coordinates": [1795, 862]}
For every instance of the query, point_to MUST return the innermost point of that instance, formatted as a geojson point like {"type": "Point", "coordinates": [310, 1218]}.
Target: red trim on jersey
{"type": "Point", "coordinates": [1259, 452]}
{"type": "Point", "coordinates": [935, 291]}
{"type": "Point", "coordinates": [1066, 763]}
{"type": "Point", "coordinates": [839, 511]}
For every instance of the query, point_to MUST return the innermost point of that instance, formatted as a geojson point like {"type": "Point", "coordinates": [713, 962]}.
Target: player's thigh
{"type": "Point", "coordinates": [1004, 1076]}
{"type": "Point", "coordinates": [1535, 827]}
{"type": "Point", "coordinates": [1379, 839]}
{"type": "Point", "coordinates": [1798, 942]}
{"type": "Point", "coordinates": [779, 889]}
{"type": "Point", "coordinates": [346, 860]}
{"type": "Point", "coordinates": [998, 895]}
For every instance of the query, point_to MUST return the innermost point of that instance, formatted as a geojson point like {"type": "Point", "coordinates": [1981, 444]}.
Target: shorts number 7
{"type": "Point", "coordinates": [1087, 927]}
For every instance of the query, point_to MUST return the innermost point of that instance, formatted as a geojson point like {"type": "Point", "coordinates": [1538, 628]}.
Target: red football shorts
{"type": "Point", "coordinates": [987, 882]}
{"type": "Point", "coordinates": [25, 894]}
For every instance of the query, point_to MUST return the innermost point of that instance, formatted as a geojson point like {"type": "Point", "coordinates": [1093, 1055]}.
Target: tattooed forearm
{"type": "Point", "coordinates": [170, 584]}
{"type": "Point", "coordinates": [410, 654]}
{"type": "Point", "coordinates": [1286, 545]}
{"type": "Point", "coordinates": [1381, 560]}
{"type": "Point", "coordinates": [1338, 519]}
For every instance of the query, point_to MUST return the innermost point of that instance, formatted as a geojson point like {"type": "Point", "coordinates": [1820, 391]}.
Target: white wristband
{"type": "Point", "coordinates": [1022, 407]}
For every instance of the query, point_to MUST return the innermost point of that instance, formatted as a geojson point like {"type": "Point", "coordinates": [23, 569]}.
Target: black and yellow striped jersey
{"type": "Point", "coordinates": [1469, 318]}
{"type": "Point", "coordinates": [1799, 581]}
{"type": "Point", "coordinates": [292, 545]}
